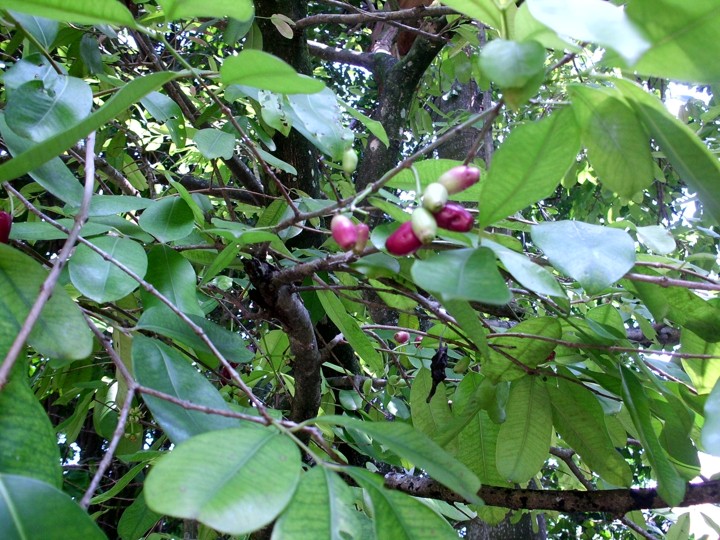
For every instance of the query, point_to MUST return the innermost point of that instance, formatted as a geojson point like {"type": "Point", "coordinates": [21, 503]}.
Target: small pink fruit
{"type": "Point", "coordinates": [434, 197]}
{"type": "Point", "coordinates": [424, 225]}
{"type": "Point", "coordinates": [403, 241]}
{"type": "Point", "coordinates": [401, 337]}
{"type": "Point", "coordinates": [455, 217]}
{"type": "Point", "coordinates": [363, 233]}
{"type": "Point", "coordinates": [459, 178]}
{"type": "Point", "coordinates": [344, 231]}
{"type": "Point", "coordinates": [5, 226]}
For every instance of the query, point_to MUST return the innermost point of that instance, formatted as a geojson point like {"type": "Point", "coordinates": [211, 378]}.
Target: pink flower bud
{"type": "Point", "coordinates": [344, 231]}
{"type": "Point", "coordinates": [454, 217]}
{"type": "Point", "coordinates": [435, 197]}
{"type": "Point", "coordinates": [363, 233]}
{"type": "Point", "coordinates": [424, 225]}
{"type": "Point", "coordinates": [401, 337]}
{"type": "Point", "coordinates": [459, 178]}
{"type": "Point", "coordinates": [5, 225]}
{"type": "Point", "coordinates": [403, 241]}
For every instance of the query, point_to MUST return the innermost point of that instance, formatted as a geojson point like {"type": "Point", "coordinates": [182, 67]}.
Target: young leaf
{"type": "Point", "coordinates": [657, 238]}
{"type": "Point", "coordinates": [174, 276]}
{"type": "Point", "coordinates": [593, 255]}
{"type": "Point", "coordinates": [704, 372]}
{"type": "Point", "coordinates": [247, 477]}
{"type": "Point", "coordinates": [214, 143]}
{"type": "Point", "coordinates": [259, 69]}
{"type": "Point", "coordinates": [137, 519]}
{"type": "Point", "coordinates": [485, 11]}
{"type": "Point", "coordinates": [711, 428]}
{"type": "Point", "coordinates": [77, 11]}
{"type": "Point", "coordinates": [242, 10]}
{"type": "Point", "coordinates": [168, 219]}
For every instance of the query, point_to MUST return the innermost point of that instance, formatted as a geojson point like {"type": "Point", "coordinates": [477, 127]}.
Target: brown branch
{"type": "Point", "coordinates": [664, 281]}
{"type": "Point", "coordinates": [613, 501]}
{"type": "Point", "coordinates": [342, 56]}
{"type": "Point", "coordinates": [362, 17]}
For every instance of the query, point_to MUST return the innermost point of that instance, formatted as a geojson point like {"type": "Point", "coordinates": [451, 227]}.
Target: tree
{"type": "Point", "coordinates": [195, 344]}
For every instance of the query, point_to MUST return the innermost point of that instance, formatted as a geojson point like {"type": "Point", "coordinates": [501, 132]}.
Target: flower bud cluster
{"type": "Point", "coordinates": [348, 235]}
{"type": "Point", "coordinates": [435, 212]}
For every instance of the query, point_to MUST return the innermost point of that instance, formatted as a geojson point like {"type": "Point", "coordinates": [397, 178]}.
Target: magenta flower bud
{"type": "Point", "coordinates": [5, 226]}
{"type": "Point", "coordinates": [344, 231]}
{"type": "Point", "coordinates": [424, 225]}
{"type": "Point", "coordinates": [403, 241]}
{"type": "Point", "coordinates": [401, 337]}
{"type": "Point", "coordinates": [454, 217]}
{"type": "Point", "coordinates": [435, 197]}
{"type": "Point", "coordinates": [459, 178]}
{"type": "Point", "coordinates": [363, 234]}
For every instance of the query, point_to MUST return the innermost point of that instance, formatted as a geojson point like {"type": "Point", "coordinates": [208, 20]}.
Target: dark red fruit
{"type": "Point", "coordinates": [403, 241]}
{"type": "Point", "coordinates": [5, 226]}
{"type": "Point", "coordinates": [401, 337]}
{"type": "Point", "coordinates": [455, 217]}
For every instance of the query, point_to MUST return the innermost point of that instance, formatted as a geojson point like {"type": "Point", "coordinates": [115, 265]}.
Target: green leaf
{"type": "Point", "coordinates": [524, 438]}
{"type": "Point", "coordinates": [711, 429]}
{"type": "Point", "coordinates": [78, 11]}
{"type": "Point", "coordinates": [592, 20]}
{"type": "Point", "coordinates": [214, 143]}
{"type": "Point", "coordinates": [259, 69]}
{"type": "Point", "coordinates": [127, 95]}
{"type": "Point", "coordinates": [657, 238]}
{"type": "Point", "coordinates": [485, 11]}
{"type": "Point", "coordinates": [429, 418]}
{"type": "Point", "coordinates": [397, 515]}
{"type": "Point", "coordinates": [54, 175]}
{"type": "Point", "coordinates": [37, 110]}
{"type": "Point", "coordinates": [174, 277]}
{"type": "Point", "coordinates": [618, 146]}
{"type": "Point", "coordinates": [161, 107]}
{"type": "Point", "coordinates": [510, 64]}
{"type": "Point", "coordinates": [322, 507]}
{"type": "Point", "coordinates": [101, 280]}
{"type": "Point", "coordinates": [28, 445]}
{"type": "Point", "coordinates": [166, 323]}
{"type": "Point", "coordinates": [30, 509]}
{"type": "Point", "coordinates": [410, 444]}
{"type": "Point", "coordinates": [580, 421]}
{"type": "Point", "coordinates": [529, 165]}
{"type": "Point", "coordinates": [246, 478]}
{"type": "Point", "coordinates": [527, 273]}
{"type": "Point", "coordinates": [469, 321]}
{"type": "Point", "coordinates": [671, 486]}
{"type": "Point", "coordinates": [683, 36]}
{"type": "Point", "coordinates": [465, 274]}
{"type": "Point", "coordinates": [168, 219]}
{"type": "Point", "coordinates": [373, 126]}
{"type": "Point", "coordinates": [137, 519]}
{"type": "Point", "coordinates": [703, 372]}
{"type": "Point", "coordinates": [157, 366]}
{"type": "Point", "coordinates": [242, 10]}
{"type": "Point", "coordinates": [690, 157]}
{"type": "Point", "coordinates": [351, 330]}
{"type": "Point", "coordinates": [593, 255]}
{"type": "Point", "coordinates": [61, 331]}
{"type": "Point", "coordinates": [41, 29]}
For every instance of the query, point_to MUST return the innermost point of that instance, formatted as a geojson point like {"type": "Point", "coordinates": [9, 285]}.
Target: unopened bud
{"type": "Point", "coordinates": [403, 241]}
{"type": "Point", "coordinates": [424, 225]}
{"type": "Point", "coordinates": [435, 197]}
{"type": "Point", "coordinates": [459, 178]}
{"type": "Point", "coordinates": [455, 217]}
{"type": "Point", "coordinates": [5, 226]}
{"type": "Point", "coordinates": [344, 231]}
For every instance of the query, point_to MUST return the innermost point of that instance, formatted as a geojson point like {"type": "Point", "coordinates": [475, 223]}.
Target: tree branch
{"type": "Point", "coordinates": [362, 17]}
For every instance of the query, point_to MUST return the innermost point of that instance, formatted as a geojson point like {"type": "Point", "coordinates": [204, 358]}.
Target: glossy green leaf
{"type": "Point", "coordinates": [527, 273]}
{"type": "Point", "coordinates": [529, 165]}
{"type": "Point", "coordinates": [127, 95]}
{"type": "Point", "coordinates": [32, 509]}
{"type": "Point", "coordinates": [524, 438]}
{"type": "Point", "coordinates": [594, 21]}
{"type": "Point", "coordinates": [410, 444]}
{"type": "Point", "coordinates": [656, 238]}
{"type": "Point", "coordinates": [526, 351]}
{"type": "Point", "coordinates": [580, 421]}
{"type": "Point", "coordinates": [161, 107]}
{"type": "Point", "coordinates": [77, 11]}
{"type": "Point", "coordinates": [109, 205]}
{"type": "Point", "coordinates": [322, 507]}
{"type": "Point", "coordinates": [671, 486]}
{"type": "Point", "coordinates": [711, 428]}
{"type": "Point", "coordinates": [703, 372]}
{"type": "Point", "coordinates": [690, 157]}
{"type": "Point", "coordinates": [397, 515]}
{"type": "Point", "coordinates": [429, 418]}
{"type": "Point", "coordinates": [373, 126]}
{"type": "Point", "coordinates": [28, 445]}
{"type": "Point", "coordinates": [467, 319]}
{"type": "Point", "coordinates": [164, 322]}
{"type": "Point", "coordinates": [43, 30]}
{"type": "Point", "coordinates": [168, 219]}
{"type": "Point", "coordinates": [617, 144]}
{"type": "Point", "coordinates": [681, 34]}
{"type": "Point", "coordinates": [351, 330]}
{"type": "Point", "coordinates": [241, 10]}
{"type": "Point", "coordinates": [465, 274]}
{"type": "Point", "coordinates": [259, 69]}
{"type": "Point", "coordinates": [172, 275]}
{"type": "Point", "coordinates": [593, 255]}
{"type": "Point", "coordinates": [61, 331]}
{"type": "Point", "coordinates": [510, 64]}
{"type": "Point", "coordinates": [37, 110]}
{"type": "Point", "coordinates": [136, 520]}
{"type": "Point", "coordinates": [247, 476]}
{"type": "Point", "coordinates": [214, 143]}
{"type": "Point", "coordinates": [157, 366]}
{"type": "Point", "coordinates": [485, 11]}
{"type": "Point", "coordinates": [101, 280]}
{"type": "Point", "coordinates": [41, 230]}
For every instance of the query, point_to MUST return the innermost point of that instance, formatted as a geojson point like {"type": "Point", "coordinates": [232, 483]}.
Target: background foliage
{"type": "Point", "coordinates": [187, 352]}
